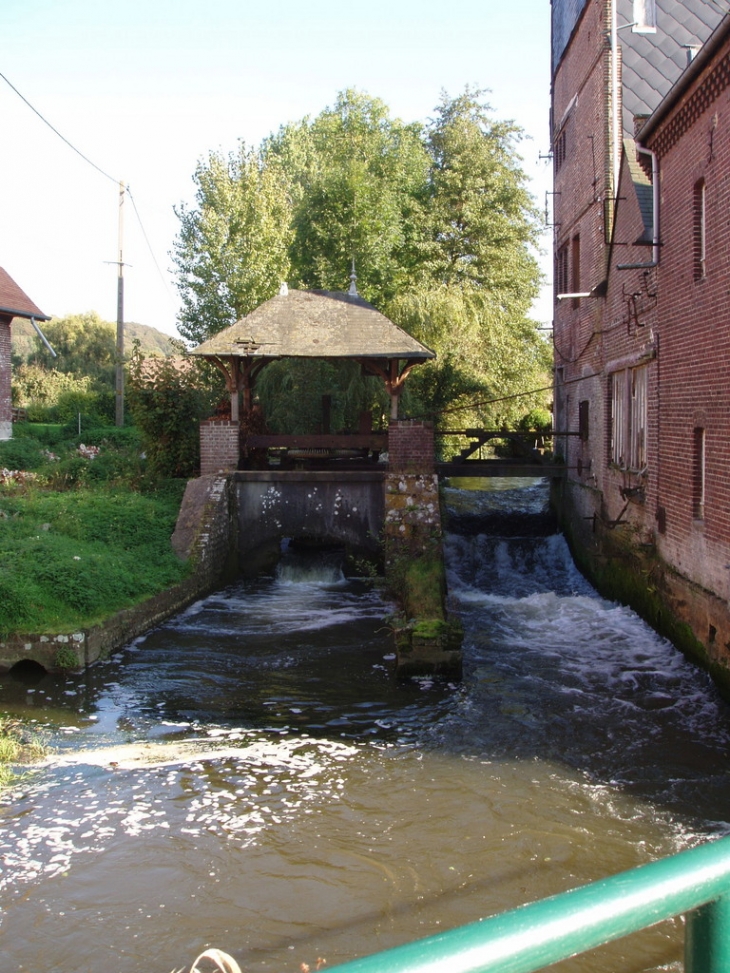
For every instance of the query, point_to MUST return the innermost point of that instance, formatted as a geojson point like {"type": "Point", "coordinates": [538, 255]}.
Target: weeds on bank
{"type": "Point", "coordinates": [82, 537]}
{"type": "Point", "coordinates": [17, 746]}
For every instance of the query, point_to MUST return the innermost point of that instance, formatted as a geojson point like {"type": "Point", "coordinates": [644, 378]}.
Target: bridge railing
{"type": "Point", "coordinates": [695, 883]}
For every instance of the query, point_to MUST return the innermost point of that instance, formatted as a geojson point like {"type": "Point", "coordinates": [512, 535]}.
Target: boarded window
{"type": "Point", "coordinates": [561, 271]}
{"type": "Point", "coordinates": [618, 418]}
{"type": "Point", "coordinates": [575, 268]}
{"type": "Point", "coordinates": [629, 388]}
{"type": "Point", "coordinates": [637, 418]}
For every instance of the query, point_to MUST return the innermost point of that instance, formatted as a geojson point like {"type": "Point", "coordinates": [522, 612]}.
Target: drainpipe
{"type": "Point", "coordinates": [615, 119]}
{"type": "Point", "coordinates": [654, 216]}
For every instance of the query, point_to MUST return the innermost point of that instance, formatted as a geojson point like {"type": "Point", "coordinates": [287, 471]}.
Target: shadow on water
{"type": "Point", "coordinates": [252, 776]}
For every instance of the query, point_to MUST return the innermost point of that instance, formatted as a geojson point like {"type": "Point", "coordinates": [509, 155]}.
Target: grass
{"type": "Point", "coordinates": [16, 747]}
{"type": "Point", "coordinates": [84, 538]}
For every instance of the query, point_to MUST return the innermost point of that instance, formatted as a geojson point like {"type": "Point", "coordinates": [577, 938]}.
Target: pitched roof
{"type": "Point", "coordinates": [643, 190]}
{"type": "Point", "coordinates": [15, 302]}
{"type": "Point", "coordinates": [652, 63]}
{"type": "Point", "coordinates": [693, 72]}
{"type": "Point", "coordinates": [314, 324]}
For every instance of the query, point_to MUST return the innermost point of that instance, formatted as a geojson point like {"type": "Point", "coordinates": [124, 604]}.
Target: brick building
{"type": "Point", "coordinates": [641, 151]}
{"type": "Point", "coordinates": [14, 303]}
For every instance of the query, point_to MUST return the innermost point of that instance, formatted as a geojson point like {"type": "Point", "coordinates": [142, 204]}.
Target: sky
{"type": "Point", "coordinates": [145, 89]}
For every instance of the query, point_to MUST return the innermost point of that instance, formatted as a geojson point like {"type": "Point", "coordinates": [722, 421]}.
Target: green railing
{"type": "Point", "coordinates": [694, 882]}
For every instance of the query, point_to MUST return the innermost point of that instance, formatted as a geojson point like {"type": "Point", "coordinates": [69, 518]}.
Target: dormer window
{"type": "Point", "coordinates": [644, 17]}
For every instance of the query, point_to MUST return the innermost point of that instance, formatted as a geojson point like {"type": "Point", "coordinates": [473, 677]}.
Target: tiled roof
{"type": "Point", "coordinates": [315, 324]}
{"type": "Point", "coordinates": [652, 63]}
{"type": "Point", "coordinates": [642, 188]}
{"type": "Point", "coordinates": [16, 302]}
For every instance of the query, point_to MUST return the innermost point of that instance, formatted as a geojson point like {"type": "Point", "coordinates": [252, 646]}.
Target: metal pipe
{"type": "Point", "coordinates": [695, 882]}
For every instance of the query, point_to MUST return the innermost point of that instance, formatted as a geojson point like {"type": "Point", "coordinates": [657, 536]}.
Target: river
{"type": "Point", "coordinates": [251, 776]}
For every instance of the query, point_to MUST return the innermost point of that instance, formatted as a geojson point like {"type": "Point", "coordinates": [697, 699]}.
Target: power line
{"type": "Point", "coordinates": [146, 240]}
{"type": "Point", "coordinates": [55, 130]}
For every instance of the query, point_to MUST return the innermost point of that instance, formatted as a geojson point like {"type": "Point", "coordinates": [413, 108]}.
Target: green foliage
{"type": "Point", "coordinates": [231, 253]}
{"type": "Point", "coordinates": [291, 390]}
{"type": "Point", "coordinates": [437, 217]}
{"type": "Point", "coordinates": [167, 405]}
{"type": "Point", "coordinates": [358, 177]}
{"type": "Point", "coordinates": [68, 559]}
{"type": "Point", "coordinates": [84, 345]}
{"type": "Point", "coordinates": [21, 454]}
{"type": "Point", "coordinates": [50, 395]}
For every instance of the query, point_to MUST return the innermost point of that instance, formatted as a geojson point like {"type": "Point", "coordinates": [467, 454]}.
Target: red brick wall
{"type": "Point", "coordinates": [694, 329]}
{"type": "Point", "coordinates": [410, 446]}
{"type": "Point", "coordinates": [218, 446]}
{"type": "Point", "coordinates": [5, 399]}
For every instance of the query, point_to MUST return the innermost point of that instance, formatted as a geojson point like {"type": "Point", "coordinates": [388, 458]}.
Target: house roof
{"type": "Point", "coordinates": [15, 302]}
{"type": "Point", "coordinates": [314, 324]}
{"type": "Point", "coordinates": [653, 63]}
{"type": "Point", "coordinates": [643, 190]}
{"type": "Point", "coordinates": [690, 75]}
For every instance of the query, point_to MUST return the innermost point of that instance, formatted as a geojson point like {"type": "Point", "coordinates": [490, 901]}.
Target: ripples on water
{"type": "Point", "coordinates": [250, 776]}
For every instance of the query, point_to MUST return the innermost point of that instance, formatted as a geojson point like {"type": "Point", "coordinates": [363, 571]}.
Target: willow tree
{"type": "Point", "coordinates": [232, 250]}
{"type": "Point", "coordinates": [477, 272]}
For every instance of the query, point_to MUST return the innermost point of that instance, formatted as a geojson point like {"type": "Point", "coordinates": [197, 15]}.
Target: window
{"type": "Point", "coordinates": [618, 418]}
{"type": "Point", "coordinates": [575, 268]}
{"type": "Point", "coordinates": [559, 151]}
{"type": "Point", "coordinates": [644, 17]}
{"type": "Point", "coordinates": [698, 474]}
{"type": "Point", "coordinates": [561, 271]}
{"type": "Point", "coordinates": [700, 230]}
{"type": "Point", "coordinates": [637, 418]}
{"type": "Point", "coordinates": [584, 407]}
{"type": "Point", "coordinates": [628, 394]}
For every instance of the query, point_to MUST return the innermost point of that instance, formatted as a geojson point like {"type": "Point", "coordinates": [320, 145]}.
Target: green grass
{"type": "Point", "coordinates": [86, 538]}
{"type": "Point", "coordinates": [16, 747]}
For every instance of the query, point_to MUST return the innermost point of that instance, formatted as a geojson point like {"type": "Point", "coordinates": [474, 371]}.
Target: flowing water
{"type": "Point", "coordinates": [251, 776]}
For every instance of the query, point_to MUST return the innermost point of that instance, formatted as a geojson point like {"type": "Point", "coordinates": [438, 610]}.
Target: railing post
{"type": "Point", "coordinates": [707, 938]}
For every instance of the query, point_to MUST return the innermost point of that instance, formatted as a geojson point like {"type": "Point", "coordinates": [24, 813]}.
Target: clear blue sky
{"type": "Point", "coordinates": [146, 88]}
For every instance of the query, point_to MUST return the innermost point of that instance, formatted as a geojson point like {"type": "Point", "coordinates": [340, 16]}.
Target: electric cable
{"type": "Point", "coordinates": [55, 131]}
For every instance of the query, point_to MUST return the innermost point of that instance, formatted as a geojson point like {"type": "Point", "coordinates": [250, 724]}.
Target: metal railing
{"type": "Point", "coordinates": [695, 883]}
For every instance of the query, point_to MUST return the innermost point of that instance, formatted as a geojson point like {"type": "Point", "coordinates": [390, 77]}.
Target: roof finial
{"type": "Point", "coordinates": [353, 279]}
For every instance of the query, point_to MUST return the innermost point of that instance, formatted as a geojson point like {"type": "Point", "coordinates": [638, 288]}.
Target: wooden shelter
{"type": "Point", "coordinates": [330, 325]}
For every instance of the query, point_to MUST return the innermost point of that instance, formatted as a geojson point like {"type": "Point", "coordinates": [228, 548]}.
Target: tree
{"type": "Point", "coordinates": [358, 179]}
{"type": "Point", "coordinates": [84, 345]}
{"type": "Point", "coordinates": [232, 251]}
{"type": "Point", "coordinates": [438, 219]}
{"type": "Point", "coordinates": [167, 398]}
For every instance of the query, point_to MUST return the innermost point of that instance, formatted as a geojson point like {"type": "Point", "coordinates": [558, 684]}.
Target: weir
{"type": "Point", "coordinates": [345, 508]}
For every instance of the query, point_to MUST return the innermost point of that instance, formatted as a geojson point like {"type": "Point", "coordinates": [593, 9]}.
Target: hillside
{"type": "Point", "coordinates": [24, 340]}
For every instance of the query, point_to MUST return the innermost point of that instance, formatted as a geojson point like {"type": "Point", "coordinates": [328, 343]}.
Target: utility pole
{"type": "Point", "coordinates": [120, 315]}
